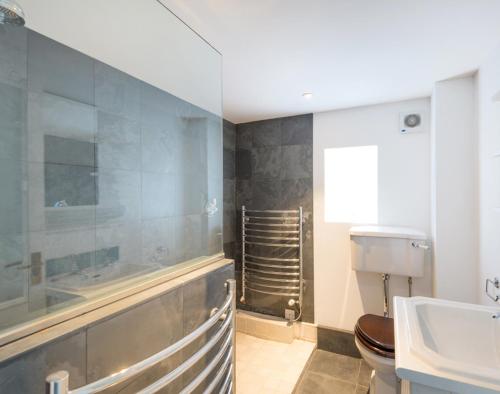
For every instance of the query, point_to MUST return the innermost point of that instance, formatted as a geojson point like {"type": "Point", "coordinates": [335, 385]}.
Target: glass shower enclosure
{"type": "Point", "coordinates": [106, 180]}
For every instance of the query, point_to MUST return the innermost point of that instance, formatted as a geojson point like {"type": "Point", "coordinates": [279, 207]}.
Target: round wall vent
{"type": "Point", "coordinates": [412, 120]}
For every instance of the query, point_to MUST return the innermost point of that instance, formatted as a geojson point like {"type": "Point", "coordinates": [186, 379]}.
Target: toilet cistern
{"type": "Point", "coordinates": [388, 250]}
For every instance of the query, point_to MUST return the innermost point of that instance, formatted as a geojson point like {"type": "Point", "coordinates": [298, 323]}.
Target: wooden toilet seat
{"type": "Point", "coordinates": [377, 334]}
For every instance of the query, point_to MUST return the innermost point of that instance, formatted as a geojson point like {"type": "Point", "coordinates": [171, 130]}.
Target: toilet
{"type": "Point", "coordinates": [374, 338]}
{"type": "Point", "coordinates": [386, 251]}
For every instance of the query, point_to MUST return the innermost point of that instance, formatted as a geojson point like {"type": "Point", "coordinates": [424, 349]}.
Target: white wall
{"type": "Point", "coordinates": [342, 295]}
{"type": "Point", "coordinates": [455, 190]}
{"type": "Point", "coordinates": [489, 171]}
{"type": "Point", "coordinates": [138, 37]}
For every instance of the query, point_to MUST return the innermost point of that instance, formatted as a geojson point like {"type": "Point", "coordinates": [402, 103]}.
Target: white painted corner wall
{"type": "Point", "coordinates": [488, 96]}
{"type": "Point", "coordinates": [455, 190]}
{"type": "Point", "coordinates": [341, 294]}
{"type": "Point", "coordinates": [445, 182]}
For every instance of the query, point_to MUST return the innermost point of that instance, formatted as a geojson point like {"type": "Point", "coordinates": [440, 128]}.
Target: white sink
{"type": "Point", "coordinates": [447, 345]}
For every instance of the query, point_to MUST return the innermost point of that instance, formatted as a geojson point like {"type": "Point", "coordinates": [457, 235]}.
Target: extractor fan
{"type": "Point", "coordinates": [411, 122]}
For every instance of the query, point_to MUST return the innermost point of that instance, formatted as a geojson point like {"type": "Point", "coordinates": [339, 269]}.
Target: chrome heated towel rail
{"type": "Point", "coordinates": [271, 242]}
{"type": "Point", "coordinates": [224, 378]}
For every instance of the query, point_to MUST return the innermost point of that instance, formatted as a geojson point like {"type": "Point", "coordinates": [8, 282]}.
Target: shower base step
{"type": "Point", "coordinates": [274, 328]}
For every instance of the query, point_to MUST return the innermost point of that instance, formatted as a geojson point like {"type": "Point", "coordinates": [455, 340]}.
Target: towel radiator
{"type": "Point", "coordinates": [271, 242]}
{"type": "Point", "coordinates": [58, 382]}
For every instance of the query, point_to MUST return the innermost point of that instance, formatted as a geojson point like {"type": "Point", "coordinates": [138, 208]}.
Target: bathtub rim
{"type": "Point", "coordinates": [45, 329]}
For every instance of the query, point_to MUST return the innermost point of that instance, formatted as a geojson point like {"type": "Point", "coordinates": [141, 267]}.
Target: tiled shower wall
{"type": "Point", "coordinates": [118, 341]}
{"type": "Point", "coordinates": [229, 218]}
{"type": "Point", "coordinates": [272, 170]}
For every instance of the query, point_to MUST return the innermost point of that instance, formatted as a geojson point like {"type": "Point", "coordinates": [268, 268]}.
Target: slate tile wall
{"type": "Point", "coordinates": [118, 341]}
{"type": "Point", "coordinates": [273, 170]}
{"type": "Point", "coordinates": [229, 217]}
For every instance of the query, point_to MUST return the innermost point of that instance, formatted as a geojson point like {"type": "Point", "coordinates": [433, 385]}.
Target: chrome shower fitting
{"type": "Point", "coordinates": [11, 13]}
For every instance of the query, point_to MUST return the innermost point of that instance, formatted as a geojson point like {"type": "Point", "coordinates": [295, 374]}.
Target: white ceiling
{"type": "Point", "coordinates": [347, 52]}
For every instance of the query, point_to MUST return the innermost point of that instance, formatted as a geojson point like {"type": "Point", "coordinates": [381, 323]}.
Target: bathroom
{"type": "Point", "coordinates": [249, 197]}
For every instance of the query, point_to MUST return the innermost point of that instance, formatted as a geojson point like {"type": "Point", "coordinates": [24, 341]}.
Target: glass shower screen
{"type": "Point", "coordinates": [110, 153]}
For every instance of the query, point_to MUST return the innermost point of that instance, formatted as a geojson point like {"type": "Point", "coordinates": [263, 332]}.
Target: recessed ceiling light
{"type": "Point", "coordinates": [307, 95]}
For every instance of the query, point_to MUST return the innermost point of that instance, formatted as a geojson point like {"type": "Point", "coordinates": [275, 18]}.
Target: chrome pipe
{"type": "Point", "coordinates": [58, 382]}
{"type": "Point", "coordinates": [171, 376]}
{"type": "Point", "coordinates": [274, 292]}
{"type": "Point", "coordinates": [277, 287]}
{"type": "Point", "coordinates": [289, 267]}
{"type": "Point", "coordinates": [231, 284]}
{"type": "Point", "coordinates": [243, 284]}
{"type": "Point", "coordinates": [226, 366]}
{"type": "Point", "coordinates": [385, 279]}
{"type": "Point", "coordinates": [271, 211]}
{"type": "Point", "coordinates": [273, 272]}
{"type": "Point", "coordinates": [273, 231]}
{"type": "Point", "coordinates": [274, 218]}
{"type": "Point", "coordinates": [274, 258]}
{"type": "Point", "coordinates": [210, 367]}
{"type": "Point", "coordinates": [270, 244]}
{"type": "Point", "coordinates": [301, 263]}
{"type": "Point", "coordinates": [273, 224]}
{"type": "Point", "coordinates": [227, 380]}
{"type": "Point", "coordinates": [273, 238]}
{"type": "Point", "coordinates": [273, 279]}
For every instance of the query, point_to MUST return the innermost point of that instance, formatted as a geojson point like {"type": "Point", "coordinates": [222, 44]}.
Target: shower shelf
{"type": "Point", "coordinates": [272, 254]}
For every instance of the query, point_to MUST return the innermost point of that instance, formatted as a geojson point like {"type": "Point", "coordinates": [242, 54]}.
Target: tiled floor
{"type": "Point", "coordinates": [334, 374]}
{"type": "Point", "coordinates": [268, 367]}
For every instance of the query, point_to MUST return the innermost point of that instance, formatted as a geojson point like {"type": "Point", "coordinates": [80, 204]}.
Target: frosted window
{"type": "Point", "coordinates": [351, 184]}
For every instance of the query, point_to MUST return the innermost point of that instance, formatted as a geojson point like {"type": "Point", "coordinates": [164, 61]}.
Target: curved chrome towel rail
{"type": "Point", "coordinates": [58, 382]}
{"type": "Point", "coordinates": [262, 249]}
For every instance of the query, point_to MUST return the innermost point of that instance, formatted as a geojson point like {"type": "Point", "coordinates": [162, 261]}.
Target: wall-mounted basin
{"type": "Point", "coordinates": [448, 345]}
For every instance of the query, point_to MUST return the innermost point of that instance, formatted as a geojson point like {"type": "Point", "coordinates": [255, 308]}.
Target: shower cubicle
{"type": "Point", "coordinates": [110, 174]}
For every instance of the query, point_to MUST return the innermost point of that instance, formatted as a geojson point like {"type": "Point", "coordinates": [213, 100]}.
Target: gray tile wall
{"type": "Point", "coordinates": [273, 170]}
{"type": "Point", "coordinates": [229, 219]}
{"type": "Point", "coordinates": [118, 341]}
{"type": "Point", "coordinates": [135, 165]}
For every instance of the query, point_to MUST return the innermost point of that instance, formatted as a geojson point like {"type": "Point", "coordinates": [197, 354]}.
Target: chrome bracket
{"type": "Point", "coordinates": [496, 284]}
{"type": "Point", "coordinates": [420, 245]}
{"type": "Point", "coordinates": [215, 310]}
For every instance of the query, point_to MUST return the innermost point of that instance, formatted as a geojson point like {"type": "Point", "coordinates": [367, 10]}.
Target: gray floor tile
{"type": "Point", "coordinates": [314, 383]}
{"type": "Point", "coordinates": [365, 372]}
{"type": "Point", "coordinates": [335, 365]}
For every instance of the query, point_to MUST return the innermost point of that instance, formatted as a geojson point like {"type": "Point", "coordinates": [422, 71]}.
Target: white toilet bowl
{"type": "Point", "coordinates": [383, 379]}
{"type": "Point", "coordinates": [374, 338]}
